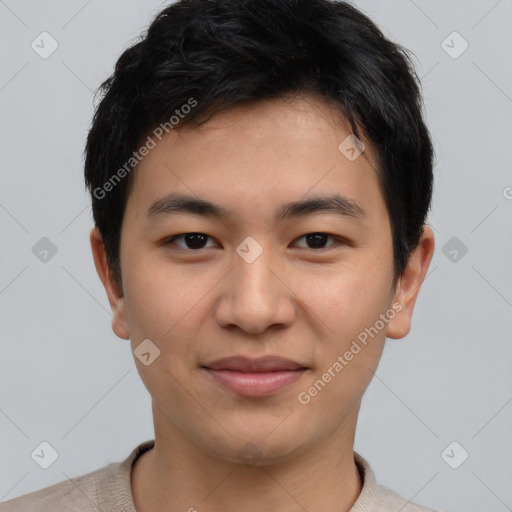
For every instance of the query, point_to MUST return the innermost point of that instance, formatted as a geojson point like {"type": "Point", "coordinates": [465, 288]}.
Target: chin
{"type": "Point", "coordinates": [257, 447]}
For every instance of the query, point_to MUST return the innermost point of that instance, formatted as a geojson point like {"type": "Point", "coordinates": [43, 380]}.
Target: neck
{"type": "Point", "coordinates": [177, 475]}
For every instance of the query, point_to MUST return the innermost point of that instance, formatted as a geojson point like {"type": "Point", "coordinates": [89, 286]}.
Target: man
{"type": "Point", "coordinates": [260, 175]}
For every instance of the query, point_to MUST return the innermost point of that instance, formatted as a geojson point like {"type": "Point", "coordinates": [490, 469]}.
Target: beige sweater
{"type": "Point", "coordinates": [108, 490]}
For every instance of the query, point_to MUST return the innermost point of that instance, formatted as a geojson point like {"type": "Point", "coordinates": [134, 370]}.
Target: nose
{"type": "Point", "coordinates": [255, 296]}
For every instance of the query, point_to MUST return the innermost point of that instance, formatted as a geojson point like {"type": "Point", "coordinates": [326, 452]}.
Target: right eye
{"type": "Point", "coordinates": [193, 241]}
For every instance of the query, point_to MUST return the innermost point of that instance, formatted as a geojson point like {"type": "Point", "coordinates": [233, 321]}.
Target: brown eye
{"type": "Point", "coordinates": [193, 241]}
{"type": "Point", "coordinates": [317, 240]}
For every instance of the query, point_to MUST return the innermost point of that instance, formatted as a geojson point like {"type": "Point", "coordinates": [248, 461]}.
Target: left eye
{"type": "Point", "coordinates": [317, 239]}
{"type": "Point", "coordinates": [196, 241]}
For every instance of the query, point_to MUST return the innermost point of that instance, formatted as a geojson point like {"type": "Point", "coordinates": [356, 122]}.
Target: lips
{"type": "Point", "coordinates": [259, 377]}
{"type": "Point", "coordinates": [247, 365]}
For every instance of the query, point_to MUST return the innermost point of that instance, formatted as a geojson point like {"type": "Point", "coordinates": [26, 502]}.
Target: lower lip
{"type": "Point", "coordinates": [255, 384]}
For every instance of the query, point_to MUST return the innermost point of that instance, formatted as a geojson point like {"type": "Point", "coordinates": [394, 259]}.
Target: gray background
{"type": "Point", "coordinates": [65, 378]}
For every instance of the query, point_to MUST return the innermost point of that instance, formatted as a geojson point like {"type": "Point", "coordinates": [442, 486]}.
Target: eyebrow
{"type": "Point", "coordinates": [179, 203]}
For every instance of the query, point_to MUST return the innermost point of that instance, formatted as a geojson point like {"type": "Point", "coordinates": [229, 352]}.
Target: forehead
{"type": "Point", "coordinates": [257, 155]}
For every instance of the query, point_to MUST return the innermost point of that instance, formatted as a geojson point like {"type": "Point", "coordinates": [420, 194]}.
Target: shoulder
{"type": "Point", "coordinates": [377, 498]}
{"type": "Point", "coordinates": [76, 494]}
{"type": "Point", "coordinates": [388, 500]}
{"type": "Point", "coordinates": [105, 489]}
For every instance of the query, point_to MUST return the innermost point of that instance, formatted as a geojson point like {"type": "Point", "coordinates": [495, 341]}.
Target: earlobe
{"type": "Point", "coordinates": [410, 283]}
{"type": "Point", "coordinates": [114, 294]}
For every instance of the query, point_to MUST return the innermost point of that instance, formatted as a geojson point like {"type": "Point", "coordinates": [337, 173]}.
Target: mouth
{"type": "Point", "coordinates": [259, 377]}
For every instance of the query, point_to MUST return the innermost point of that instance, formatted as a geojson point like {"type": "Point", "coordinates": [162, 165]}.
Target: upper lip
{"type": "Point", "coordinates": [260, 364]}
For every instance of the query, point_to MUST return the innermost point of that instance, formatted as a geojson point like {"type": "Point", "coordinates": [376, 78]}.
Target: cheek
{"type": "Point", "coordinates": [347, 301]}
{"type": "Point", "coordinates": [159, 308]}
{"type": "Point", "coordinates": [157, 295]}
{"type": "Point", "coordinates": [353, 308]}
{"type": "Point", "coordinates": [167, 306]}
{"type": "Point", "coordinates": [349, 348]}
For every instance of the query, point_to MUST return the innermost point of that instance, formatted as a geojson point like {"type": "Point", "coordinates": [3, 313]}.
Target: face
{"type": "Point", "coordinates": [313, 286]}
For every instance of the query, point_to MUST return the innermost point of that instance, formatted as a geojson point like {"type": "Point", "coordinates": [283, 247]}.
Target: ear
{"type": "Point", "coordinates": [115, 296]}
{"type": "Point", "coordinates": [409, 284]}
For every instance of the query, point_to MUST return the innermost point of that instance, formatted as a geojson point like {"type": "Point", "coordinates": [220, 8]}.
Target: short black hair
{"type": "Point", "coordinates": [217, 54]}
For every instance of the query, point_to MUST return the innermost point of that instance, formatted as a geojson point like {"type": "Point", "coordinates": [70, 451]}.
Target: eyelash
{"type": "Point", "coordinates": [338, 240]}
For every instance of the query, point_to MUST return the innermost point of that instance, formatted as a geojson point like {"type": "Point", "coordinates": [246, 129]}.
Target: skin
{"type": "Point", "coordinates": [300, 302]}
